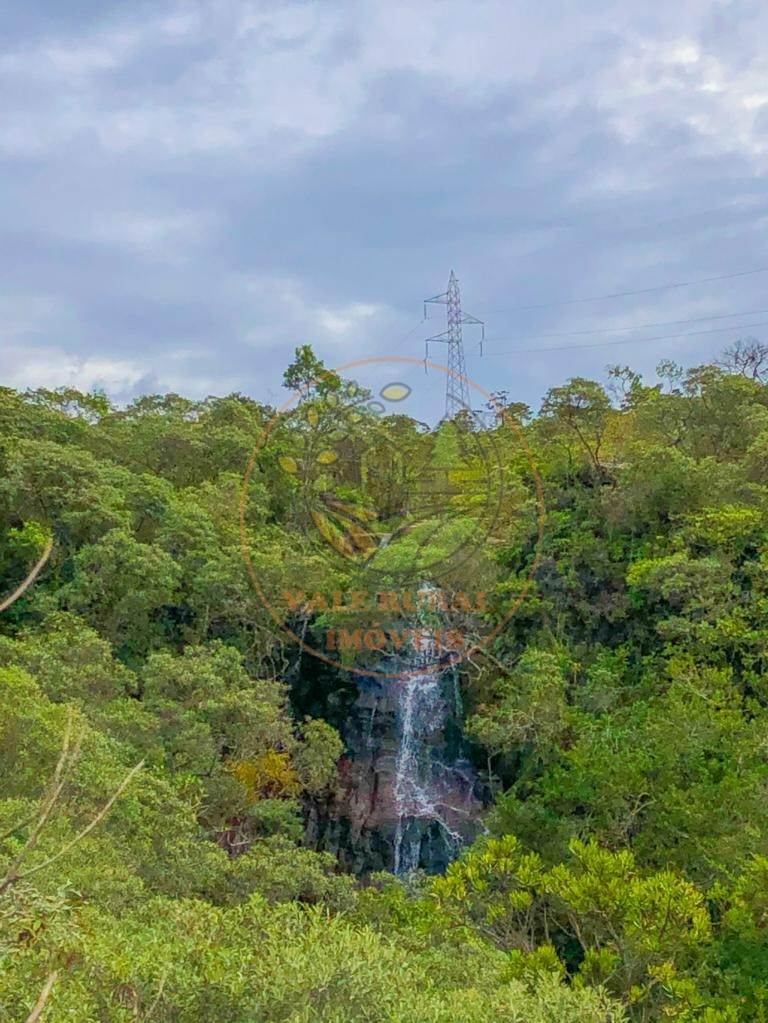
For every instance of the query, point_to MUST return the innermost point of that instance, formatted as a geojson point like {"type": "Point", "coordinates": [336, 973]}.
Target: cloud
{"type": "Point", "coordinates": [152, 237]}
{"type": "Point", "coordinates": [194, 189]}
{"type": "Point", "coordinates": [51, 368]}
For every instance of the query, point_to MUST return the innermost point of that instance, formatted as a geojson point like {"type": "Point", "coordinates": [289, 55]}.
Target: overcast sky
{"type": "Point", "coordinates": [191, 190]}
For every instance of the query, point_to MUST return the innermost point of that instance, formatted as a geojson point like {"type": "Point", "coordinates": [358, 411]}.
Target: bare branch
{"type": "Point", "coordinates": [37, 1012]}
{"type": "Point", "coordinates": [30, 578]}
{"type": "Point", "coordinates": [13, 877]}
{"type": "Point", "coordinates": [66, 759]}
{"type": "Point", "coordinates": [158, 996]}
{"type": "Point", "coordinates": [748, 357]}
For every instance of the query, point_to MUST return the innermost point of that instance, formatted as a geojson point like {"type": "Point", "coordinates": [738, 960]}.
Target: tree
{"type": "Point", "coordinates": [528, 715]}
{"type": "Point", "coordinates": [749, 357]}
{"type": "Point", "coordinates": [306, 369]}
{"type": "Point", "coordinates": [581, 407]}
{"type": "Point", "coordinates": [121, 587]}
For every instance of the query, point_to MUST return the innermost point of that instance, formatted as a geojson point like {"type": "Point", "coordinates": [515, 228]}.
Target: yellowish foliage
{"type": "Point", "coordinates": [268, 776]}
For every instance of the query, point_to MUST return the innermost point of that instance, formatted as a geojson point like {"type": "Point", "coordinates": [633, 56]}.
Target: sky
{"type": "Point", "coordinates": [191, 190]}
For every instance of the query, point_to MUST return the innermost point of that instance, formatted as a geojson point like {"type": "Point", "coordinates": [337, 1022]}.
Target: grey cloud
{"type": "Point", "coordinates": [191, 229]}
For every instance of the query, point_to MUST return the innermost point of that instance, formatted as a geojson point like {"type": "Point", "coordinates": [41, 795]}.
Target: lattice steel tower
{"type": "Point", "coordinates": [456, 388]}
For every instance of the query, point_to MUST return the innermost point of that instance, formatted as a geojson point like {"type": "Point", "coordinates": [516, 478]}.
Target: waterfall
{"type": "Point", "coordinates": [408, 797]}
{"type": "Point", "coordinates": [419, 789]}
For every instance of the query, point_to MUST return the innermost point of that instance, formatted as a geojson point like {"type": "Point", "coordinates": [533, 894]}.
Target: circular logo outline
{"type": "Point", "coordinates": [463, 551]}
{"type": "Point", "coordinates": [367, 672]}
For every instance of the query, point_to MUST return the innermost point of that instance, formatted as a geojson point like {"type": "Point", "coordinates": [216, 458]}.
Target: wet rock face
{"type": "Point", "coordinates": [407, 799]}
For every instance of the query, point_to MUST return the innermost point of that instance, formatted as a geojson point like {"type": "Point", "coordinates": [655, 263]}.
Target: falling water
{"type": "Point", "coordinates": [409, 798]}
{"type": "Point", "coordinates": [420, 779]}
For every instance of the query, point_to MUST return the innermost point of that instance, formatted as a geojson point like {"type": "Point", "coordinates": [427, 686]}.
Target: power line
{"type": "Point", "coordinates": [410, 333]}
{"type": "Point", "coordinates": [625, 341]}
{"type": "Point", "coordinates": [640, 291]}
{"type": "Point", "coordinates": [635, 326]}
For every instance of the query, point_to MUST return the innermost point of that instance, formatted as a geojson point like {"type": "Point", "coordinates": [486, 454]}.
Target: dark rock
{"type": "Point", "coordinates": [409, 797]}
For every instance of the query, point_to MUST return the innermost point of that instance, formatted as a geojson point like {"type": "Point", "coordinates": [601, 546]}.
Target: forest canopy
{"type": "Point", "coordinates": [162, 743]}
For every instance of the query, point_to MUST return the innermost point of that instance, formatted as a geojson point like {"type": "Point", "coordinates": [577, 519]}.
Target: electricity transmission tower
{"type": "Point", "coordinates": [456, 388]}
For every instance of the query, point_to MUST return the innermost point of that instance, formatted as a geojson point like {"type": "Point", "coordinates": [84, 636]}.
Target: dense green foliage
{"type": "Point", "coordinates": [621, 718]}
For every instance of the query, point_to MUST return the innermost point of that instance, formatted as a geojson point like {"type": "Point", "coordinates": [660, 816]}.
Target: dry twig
{"type": "Point", "coordinates": [30, 578]}
{"type": "Point", "coordinates": [37, 1012]}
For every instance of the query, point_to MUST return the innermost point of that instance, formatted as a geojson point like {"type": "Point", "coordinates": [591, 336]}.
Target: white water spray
{"type": "Point", "coordinates": [419, 788]}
